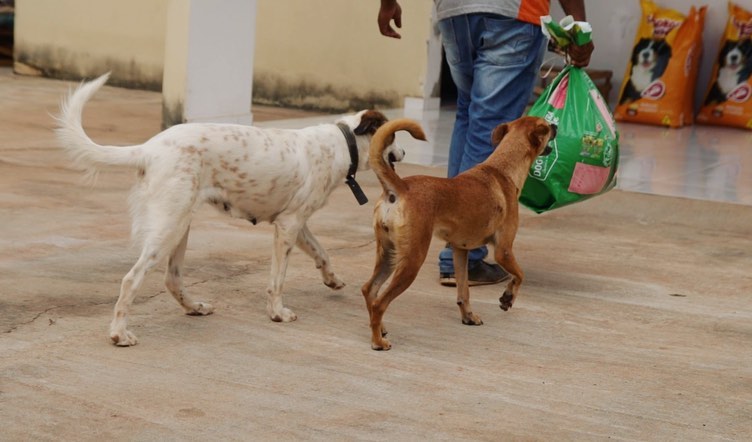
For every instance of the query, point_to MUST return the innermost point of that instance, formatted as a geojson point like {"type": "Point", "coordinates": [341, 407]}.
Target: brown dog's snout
{"type": "Point", "coordinates": [548, 149]}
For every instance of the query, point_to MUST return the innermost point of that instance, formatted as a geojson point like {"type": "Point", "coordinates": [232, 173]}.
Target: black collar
{"type": "Point", "coordinates": [352, 146]}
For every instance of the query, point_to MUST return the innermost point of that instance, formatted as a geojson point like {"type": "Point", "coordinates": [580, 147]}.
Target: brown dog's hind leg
{"type": "Point", "coordinates": [406, 269]}
{"type": "Point", "coordinates": [381, 271]}
{"type": "Point", "coordinates": [505, 258]}
{"type": "Point", "coordinates": [463, 291]}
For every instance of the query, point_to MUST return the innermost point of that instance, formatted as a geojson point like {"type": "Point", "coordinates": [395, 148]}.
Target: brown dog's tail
{"type": "Point", "coordinates": [384, 137]}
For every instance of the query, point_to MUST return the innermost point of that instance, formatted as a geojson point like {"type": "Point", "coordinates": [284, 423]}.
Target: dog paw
{"type": "Point", "coordinates": [334, 283]}
{"type": "Point", "coordinates": [381, 345]}
{"type": "Point", "coordinates": [123, 338]}
{"type": "Point", "coordinates": [286, 315]}
{"type": "Point", "coordinates": [200, 309]}
{"type": "Point", "coordinates": [506, 300]}
{"type": "Point", "coordinates": [472, 319]}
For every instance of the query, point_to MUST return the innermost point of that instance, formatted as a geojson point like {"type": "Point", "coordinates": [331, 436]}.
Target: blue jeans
{"type": "Point", "coordinates": [494, 62]}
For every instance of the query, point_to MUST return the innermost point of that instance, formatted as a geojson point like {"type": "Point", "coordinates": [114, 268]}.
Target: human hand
{"type": "Point", "coordinates": [390, 10]}
{"type": "Point", "coordinates": [580, 55]}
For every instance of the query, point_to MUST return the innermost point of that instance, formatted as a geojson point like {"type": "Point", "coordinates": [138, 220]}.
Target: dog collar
{"type": "Point", "coordinates": [352, 146]}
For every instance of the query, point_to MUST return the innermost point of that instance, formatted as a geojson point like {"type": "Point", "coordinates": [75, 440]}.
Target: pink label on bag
{"type": "Point", "coordinates": [587, 179]}
{"type": "Point", "coordinates": [559, 96]}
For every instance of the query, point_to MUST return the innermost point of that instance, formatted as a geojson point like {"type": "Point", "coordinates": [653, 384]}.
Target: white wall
{"type": "Point", "coordinates": [85, 38]}
{"type": "Point", "coordinates": [329, 46]}
{"type": "Point", "coordinates": [325, 54]}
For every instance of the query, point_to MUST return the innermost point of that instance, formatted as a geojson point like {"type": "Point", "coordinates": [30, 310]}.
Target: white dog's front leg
{"type": "Point", "coordinates": [308, 243]}
{"type": "Point", "coordinates": [285, 234]}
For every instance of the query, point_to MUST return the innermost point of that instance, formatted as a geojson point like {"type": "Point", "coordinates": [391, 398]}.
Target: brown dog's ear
{"type": "Point", "coordinates": [537, 135]}
{"type": "Point", "coordinates": [498, 133]}
{"type": "Point", "coordinates": [369, 122]}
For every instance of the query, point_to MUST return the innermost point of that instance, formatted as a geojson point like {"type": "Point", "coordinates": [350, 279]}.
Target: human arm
{"type": "Point", "coordinates": [390, 10]}
{"type": "Point", "coordinates": [579, 55]}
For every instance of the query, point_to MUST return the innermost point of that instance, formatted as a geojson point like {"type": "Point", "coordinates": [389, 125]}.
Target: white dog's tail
{"type": "Point", "coordinates": [71, 136]}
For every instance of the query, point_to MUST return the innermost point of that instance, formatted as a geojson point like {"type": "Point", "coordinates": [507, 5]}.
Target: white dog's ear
{"type": "Point", "coordinates": [370, 121]}
{"type": "Point", "coordinates": [499, 133]}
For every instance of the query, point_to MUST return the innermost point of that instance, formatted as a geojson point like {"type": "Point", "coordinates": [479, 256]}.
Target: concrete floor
{"type": "Point", "coordinates": [634, 322]}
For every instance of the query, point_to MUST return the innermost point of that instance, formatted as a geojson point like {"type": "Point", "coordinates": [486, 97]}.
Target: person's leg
{"type": "Point", "coordinates": [505, 55]}
{"type": "Point", "coordinates": [506, 65]}
{"type": "Point", "coordinates": [459, 52]}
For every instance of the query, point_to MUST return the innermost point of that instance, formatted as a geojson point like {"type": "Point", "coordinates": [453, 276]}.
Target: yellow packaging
{"type": "Point", "coordinates": [658, 87]}
{"type": "Point", "coordinates": [728, 101]}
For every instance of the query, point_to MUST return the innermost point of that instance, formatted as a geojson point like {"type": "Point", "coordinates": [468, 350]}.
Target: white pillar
{"type": "Point", "coordinates": [208, 69]}
{"type": "Point", "coordinates": [414, 107]}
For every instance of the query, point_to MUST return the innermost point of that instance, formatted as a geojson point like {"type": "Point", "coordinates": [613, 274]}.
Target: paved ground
{"type": "Point", "coordinates": [634, 322]}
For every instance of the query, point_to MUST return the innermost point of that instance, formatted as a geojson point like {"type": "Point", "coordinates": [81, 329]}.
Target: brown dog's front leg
{"type": "Point", "coordinates": [505, 258]}
{"type": "Point", "coordinates": [463, 291]}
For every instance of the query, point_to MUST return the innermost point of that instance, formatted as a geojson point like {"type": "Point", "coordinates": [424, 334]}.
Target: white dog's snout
{"type": "Point", "coordinates": [394, 154]}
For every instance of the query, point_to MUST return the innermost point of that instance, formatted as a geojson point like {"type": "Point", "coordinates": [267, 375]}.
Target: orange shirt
{"type": "Point", "coordinates": [525, 10]}
{"type": "Point", "coordinates": [532, 10]}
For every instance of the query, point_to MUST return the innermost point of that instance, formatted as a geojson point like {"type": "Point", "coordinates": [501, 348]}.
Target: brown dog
{"type": "Point", "coordinates": [474, 208]}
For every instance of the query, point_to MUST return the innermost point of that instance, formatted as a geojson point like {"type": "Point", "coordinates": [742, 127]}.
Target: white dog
{"type": "Point", "coordinates": [279, 176]}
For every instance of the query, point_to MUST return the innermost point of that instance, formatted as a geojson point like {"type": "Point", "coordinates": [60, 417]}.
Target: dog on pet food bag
{"type": "Point", "coordinates": [734, 69]}
{"type": "Point", "coordinates": [477, 207]}
{"type": "Point", "coordinates": [649, 60]}
{"type": "Point", "coordinates": [274, 175]}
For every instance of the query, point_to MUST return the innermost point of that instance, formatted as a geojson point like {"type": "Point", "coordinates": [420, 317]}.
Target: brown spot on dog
{"type": "Point", "coordinates": [190, 150]}
{"type": "Point", "coordinates": [370, 121]}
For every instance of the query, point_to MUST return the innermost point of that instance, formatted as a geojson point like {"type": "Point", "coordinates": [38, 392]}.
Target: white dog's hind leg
{"type": "Point", "coordinates": [285, 234]}
{"type": "Point", "coordinates": [308, 243]}
{"type": "Point", "coordinates": [174, 282]}
{"type": "Point", "coordinates": [120, 335]}
{"type": "Point", "coordinates": [163, 234]}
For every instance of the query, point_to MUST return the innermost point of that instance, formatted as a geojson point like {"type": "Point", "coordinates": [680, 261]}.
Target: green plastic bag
{"type": "Point", "coordinates": [585, 152]}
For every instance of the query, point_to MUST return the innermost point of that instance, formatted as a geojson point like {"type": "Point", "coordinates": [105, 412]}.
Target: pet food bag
{"type": "Point", "coordinates": [728, 101]}
{"type": "Point", "coordinates": [585, 152]}
{"type": "Point", "coordinates": [659, 84]}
